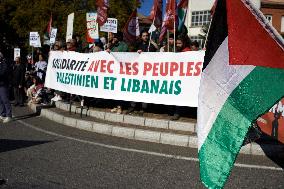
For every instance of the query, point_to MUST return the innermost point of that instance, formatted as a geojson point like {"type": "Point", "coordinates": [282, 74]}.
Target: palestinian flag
{"type": "Point", "coordinates": [182, 11]}
{"type": "Point", "coordinates": [243, 78]}
{"type": "Point", "coordinates": [47, 31]}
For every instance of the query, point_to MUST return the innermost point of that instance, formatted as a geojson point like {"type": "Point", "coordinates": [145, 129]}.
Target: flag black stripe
{"type": "Point", "coordinates": [218, 31]}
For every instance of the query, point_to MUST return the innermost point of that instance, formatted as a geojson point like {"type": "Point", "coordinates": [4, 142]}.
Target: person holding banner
{"type": "Point", "coordinates": [194, 46]}
{"type": "Point", "coordinates": [71, 45]}
{"type": "Point", "coordinates": [146, 45]}
{"type": "Point", "coordinates": [183, 43]}
{"type": "Point", "coordinates": [5, 106]}
{"type": "Point", "coordinates": [169, 46]}
{"type": "Point", "coordinates": [117, 45]}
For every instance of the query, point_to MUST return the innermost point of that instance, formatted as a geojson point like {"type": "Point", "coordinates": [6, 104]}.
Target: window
{"type": "Point", "coordinates": [282, 24]}
{"type": "Point", "coordinates": [200, 18]}
{"type": "Point", "coordinates": [269, 18]}
{"type": "Point", "coordinates": [199, 39]}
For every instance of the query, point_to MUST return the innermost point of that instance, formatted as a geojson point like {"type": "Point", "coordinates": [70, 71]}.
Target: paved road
{"type": "Point", "coordinates": [38, 153]}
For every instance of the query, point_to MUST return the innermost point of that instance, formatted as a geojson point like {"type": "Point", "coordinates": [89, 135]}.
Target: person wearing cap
{"type": "Point", "coordinates": [5, 106]}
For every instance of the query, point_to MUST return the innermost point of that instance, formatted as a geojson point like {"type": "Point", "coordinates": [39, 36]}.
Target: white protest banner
{"type": "Point", "coordinates": [69, 31]}
{"type": "Point", "coordinates": [109, 26]}
{"type": "Point", "coordinates": [34, 39]}
{"type": "Point", "coordinates": [153, 77]}
{"type": "Point", "coordinates": [53, 35]}
{"type": "Point", "coordinates": [17, 53]}
{"type": "Point", "coordinates": [92, 27]}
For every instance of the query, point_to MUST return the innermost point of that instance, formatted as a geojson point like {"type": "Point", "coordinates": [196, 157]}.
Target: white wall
{"type": "Point", "coordinates": [199, 5]}
{"type": "Point", "coordinates": [196, 5]}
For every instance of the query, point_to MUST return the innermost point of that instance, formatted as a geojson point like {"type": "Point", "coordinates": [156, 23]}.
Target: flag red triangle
{"type": "Point", "coordinates": [250, 43]}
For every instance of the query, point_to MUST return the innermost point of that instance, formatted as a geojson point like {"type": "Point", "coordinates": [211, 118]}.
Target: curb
{"type": "Point", "coordinates": [141, 134]}
{"type": "Point", "coordinates": [134, 120]}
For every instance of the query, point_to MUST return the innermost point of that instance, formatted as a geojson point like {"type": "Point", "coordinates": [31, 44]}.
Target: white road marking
{"type": "Point", "coordinates": [143, 151]}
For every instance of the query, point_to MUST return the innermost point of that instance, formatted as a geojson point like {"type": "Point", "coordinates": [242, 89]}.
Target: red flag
{"type": "Point", "coordinates": [48, 27]}
{"type": "Point", "coordinates": [170, 14]}
{"type": "Point", "coordinates": [102, 11]}
{"type": "Point", "coordinates": [183, 4]}
{"type": "Point", "coordinates": [169, 18]}
{"type": "Point", "coordinates": [212, 11]}
{"type": "Point", "coordinates": [131, 29]}
{"type": "Point", "coordinates": [156, 13]}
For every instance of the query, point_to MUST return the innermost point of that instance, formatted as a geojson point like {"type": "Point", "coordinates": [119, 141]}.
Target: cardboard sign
{"type": "Point", "coordinates": [92, 25]}
{"type": "Point", "coordinates": [35, 39]}
{"type": "Point", "coordinates": [53, 35]}
{"type": "Point", "coordinates": [69, 32]}
{"type": "Point", "coordinates": [109, 26]}
{"type": "Point", "coordinates": [17, 53]}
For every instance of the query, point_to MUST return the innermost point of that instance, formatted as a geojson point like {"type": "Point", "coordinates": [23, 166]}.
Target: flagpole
{"type": "Point", "coordinates": [107, 40]}
{"type": "Point", "coordinates": [32, 54]}
{"type": "Point", "coordinates": [151, 35]}
{"type": "Point", "coordinates": [207, 33]}
{"type": "Point", "coordinates": [175, 34]}
{"type": "Point", "coordinates": [168, 36]}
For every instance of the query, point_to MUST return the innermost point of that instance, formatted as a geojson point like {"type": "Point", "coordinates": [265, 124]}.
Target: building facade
{"type": "Point", "coordinates": [273, 10]}
{"type": "Point", "coordinates": [199, 16]}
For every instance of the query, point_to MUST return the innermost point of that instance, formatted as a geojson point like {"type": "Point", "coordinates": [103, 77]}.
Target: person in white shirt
{"type": "Point", "coordinates": [40, 67]}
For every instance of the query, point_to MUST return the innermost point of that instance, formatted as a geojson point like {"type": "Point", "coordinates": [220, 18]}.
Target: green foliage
{"type": "Point", "coordinates": [19, 17]}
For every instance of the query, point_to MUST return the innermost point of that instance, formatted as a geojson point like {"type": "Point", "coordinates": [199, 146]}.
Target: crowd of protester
{"type": "Point", "coordinates": [23, 80]}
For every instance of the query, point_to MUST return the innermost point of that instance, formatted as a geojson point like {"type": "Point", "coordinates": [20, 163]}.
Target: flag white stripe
{"type": "Point", "coordinates": [223, 78]}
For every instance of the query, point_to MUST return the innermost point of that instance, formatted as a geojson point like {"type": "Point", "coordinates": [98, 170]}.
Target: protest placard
{"type": "Point", "coordinates": [35, 39]}
{"type": "Point", "coordinates": [69, 31]}
{"type": "Point", "coordinates": [17, 53]}
{"type": "Point", "coordinates": [53, 35]}
{"type": "Point", "coordinates": [92, 27]}
{"type": "Point", "coordinates": [109, 26]}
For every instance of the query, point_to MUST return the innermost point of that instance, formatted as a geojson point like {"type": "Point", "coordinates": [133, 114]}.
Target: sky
{"type": "Point", "coordinates": [146, 7]}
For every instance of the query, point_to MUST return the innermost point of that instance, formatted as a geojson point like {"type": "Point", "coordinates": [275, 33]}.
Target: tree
{"type": "Point", "coordinates": [18, 18]}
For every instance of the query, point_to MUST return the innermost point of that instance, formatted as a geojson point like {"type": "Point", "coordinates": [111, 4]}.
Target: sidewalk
{"type": "Point", "coordinates": [179, 133]}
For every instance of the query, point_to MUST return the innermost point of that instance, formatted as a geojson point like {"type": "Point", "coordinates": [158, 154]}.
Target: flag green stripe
{"type": "Point", "coordinates": [254, 96]}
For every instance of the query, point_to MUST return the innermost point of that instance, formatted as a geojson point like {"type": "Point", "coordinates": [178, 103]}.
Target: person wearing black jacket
{"type": "Point", "coordinates": [145, 45]}
{"type": "Point", "coordinates": [5, 106]}
{"type": "Point", "coordinates": [19, 82]}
